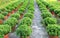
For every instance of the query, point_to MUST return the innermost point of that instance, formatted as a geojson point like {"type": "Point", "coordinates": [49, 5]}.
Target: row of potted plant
{"type": "Point", "coordinates": [31, 7]}
{"type": "Point", "coordinates": [49, 21]}
{"type": "Point", "coordinates": [13, 15]}
{"type": "Point", "coordinates": [9, 7]}
{"type": "Point", "coordinates": [11, 22]}
{"type": "Point", "coordinates": [30, 11]}
{"type": "Point", "coordinates": [53, 7]}
{"type": "Point", "coordinates": [13, 19]}
{"type": "Point", "coordinates": [5, 2]}
{"type": "Point", "coordinates": [24, 30]}
{"type": "Point", "coordinates": [3, 15]}
{"type": "Point", "coordinates": [21, 11]}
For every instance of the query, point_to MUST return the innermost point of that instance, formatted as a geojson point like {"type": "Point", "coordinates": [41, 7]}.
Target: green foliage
{"type": "Point", "coordinates": [26, 20]}
{"type": "Point", "coordinates": [1, 36]}
{"type": "Point", "coordinates": [23, 7]}
{"type": "Point", "coordinates": [5, 29]}
{"type": "Point", "coordinates": [49, 20]}
{"type": "Point", "coordinates": [57, 11]}
{"type": "Point", "coordinates": [31, 7]}
{"type": "Point", "coordinates": [46, 14]}
{"type": "Point", "coordinates": [16, 15]}
{"type": "Point", "coordinates": [11, 21]}
{"type": "Point", "coordinates": [51, 9]}
{"type": "Point", "coordinates": [30, 15]}
{"type": "Point", "coordinates": [58, 14]}
{"type": "Point", "coordinates": [59, 30]}
{"type": "Point", "coordinates": [5, 13]}
{"type": "Point", "coordinates": [21, 10]}
{"type": "Point", "coordinates": [24, 30]}
{"type": "Point", "coordinates": [1, 16]}
{"type": "Point", "coordinates": [52, 29]}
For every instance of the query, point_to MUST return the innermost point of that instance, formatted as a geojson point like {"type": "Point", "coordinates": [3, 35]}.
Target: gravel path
{"type": "Point", "coordinates": [38, 29]}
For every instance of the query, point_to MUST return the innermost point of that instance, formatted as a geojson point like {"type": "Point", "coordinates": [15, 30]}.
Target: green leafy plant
{"type": "Point", "coordinates": [57, 11]}
{"type": "Point", "coordinates": [24, 30]}
{"type": "Point", "coordinates": [51, 9]}
{"type": "Point", "coordinates": [1, 16]}
{"type": "Point", "coordinates": [49, 20]}
{"type": "Point", "coordinates": [45, 10]}
{"type": "Point", "coordinates": [59, 30]}
{"type": "Point", "coordinates": [21, 10]}
{"type": "Point", "coordinates": [52, 29]}
{"type": "Point", "coordinates": [5, 29]}
{"type": "Point", "coordinates": [46, 14]}
{"type": "Point", "coordinates": [30, 11]}
{"type": "Point", "coordinates": [5, 13]}
{"type": "Point", "coordinates": [11, 21]}
{"type": "Point", "coordinates": [1, 36]}
{"type": "Point", "coordinates": [16, 15]}
{"type": "Point", "coordinates": [31, 7]}
{"type": "Point", "coordinates": [26, 20]}
{"type": "Point", "coordinates": [30, 15]}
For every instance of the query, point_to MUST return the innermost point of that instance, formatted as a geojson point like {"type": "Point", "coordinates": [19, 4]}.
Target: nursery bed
{"type": "Point", "coordinates": [38, 30]}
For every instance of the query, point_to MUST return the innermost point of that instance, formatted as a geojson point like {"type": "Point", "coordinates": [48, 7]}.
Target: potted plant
{"type": "Point", "coordinates": [9, 14]}
{"type": "Point", "coordinates": [51, 9]}
{"type": "Point", "coordinates": [5, 31]}
{"type": "Point", "coordinates": [24, 31]}
{"type": "Point", "coordinates": [1, 18]}
{"type": "Point", "coordinates": [30, 15]}
{"type": "Point", "coordinates": [26, 20]}
{"type": "Point", "coordinates": [57, 11]}
{"type": "Point", "coordinates": [21, 14]}
{"type": "Point", "coordinates": [49, 20]}
{"type": "Point", "coordinates": [11, 22]}
{"type": "Point", "coordinates": [7, 10]}
{"type": "Point", "coordinates": [5, 15]}
{"type": "Point", "coordinates": [32, 8]}
{"type": "Point", "coordinates": [16, 15]}
{"type": "Point", "coordinates": [46, 14]}
{"type": "Point", "coordinates": [22, 9]}
{"type": "Point", "coordinates": [52, 30]}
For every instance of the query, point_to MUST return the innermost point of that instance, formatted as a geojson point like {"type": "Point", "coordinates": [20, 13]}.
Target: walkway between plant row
{"type": "Point", "coordinates": [38, 30]}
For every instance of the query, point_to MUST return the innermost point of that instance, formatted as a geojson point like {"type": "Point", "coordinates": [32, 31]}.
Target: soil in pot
{"type": "Point", "coordinates": [21, 16]}
{"type": "Point", "coordinates": [53, 13]}
{"type": "Point", "coordinates": [5, 17]}
{"type": "Point", "coordinates": [53, 37]}
{"type": "Point", "coordinates": [6, 36]}
{"type": "Point", "coordinates": [9, 14]}
{"type": "Point", "coordinates": [16, 9]}
{"type": "Point", "coordinates": [1, 21]}
{"type": "Point", "coordinates": [13, 12]}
